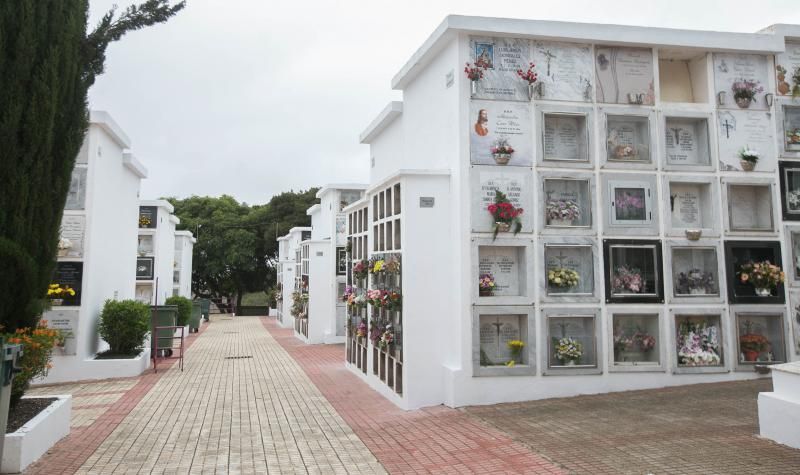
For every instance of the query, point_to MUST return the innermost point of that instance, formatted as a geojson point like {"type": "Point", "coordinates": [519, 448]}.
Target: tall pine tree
{"type": "Point", "coordinates": [48, 61]}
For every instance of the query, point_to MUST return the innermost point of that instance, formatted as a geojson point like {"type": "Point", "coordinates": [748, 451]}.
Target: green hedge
{"type": "Point", "coordinates": [184, 308]}
{"type": "Point", "coordinates": [124, 325]}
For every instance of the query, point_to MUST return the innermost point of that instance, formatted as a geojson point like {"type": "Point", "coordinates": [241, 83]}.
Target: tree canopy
{"type": "Point", "coordinates": [48, 61]}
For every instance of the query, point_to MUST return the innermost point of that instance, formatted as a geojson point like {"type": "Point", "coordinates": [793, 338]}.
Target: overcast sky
{"type": "Point", "coordinates": [251, 98]}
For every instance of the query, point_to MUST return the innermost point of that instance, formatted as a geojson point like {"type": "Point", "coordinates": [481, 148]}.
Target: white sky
{"type": "Point", "coordinates": [251, 98]}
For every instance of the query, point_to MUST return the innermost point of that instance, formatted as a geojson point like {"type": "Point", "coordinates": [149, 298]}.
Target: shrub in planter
{"type": "Point", "coordinates": [124, 325]}
{"type": "Point", "coordinates": [184, 308]}
{"type": "Point", "coordinates": [37, 346]}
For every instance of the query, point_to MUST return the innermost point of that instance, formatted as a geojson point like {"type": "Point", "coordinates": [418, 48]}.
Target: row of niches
{"type": "Point", "coordinates": [630, 271]}
{"type": "Point", "coordinates": [523, 70]}
{"type": "Point", "coordinates": [629, 204]}
{"type": "Point", "coordinates": [573, 341]}
{"type": "Point", "coordinates": [505, 134]}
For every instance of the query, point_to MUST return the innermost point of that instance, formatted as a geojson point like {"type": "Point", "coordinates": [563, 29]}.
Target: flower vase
{"type": "Point", "coordinates": [693, 234]}
{"type": "Point", "coordinates": [62, 252]}
{"type": "Point", "coordinates": [743, 102]}
{"type": "Point", "coordinates": [747, 165]}
{"type": "Point", "coordinates": [697, 291]}
{"type": "Point", "coordinates": [474, 87]}
{"type": "Point", "coordinates": [570, 363]}
{"type": "Point", "coordinates": [750, 355]}
{"type": "Point", "coordinates": [531, 91]}
{"type": "Point", "coordinates": [560, 222]}
{"type": "Point", "coordinates": [485, 292]}
{"type": "Point", "coordinates": [501, 158]}
{"type": "Point", "coordinates": [763, 292]}
{"type": "Point", "coordinates": [631, 356]}
{"type": "Point", "coordinates": [57, 302]}
{"type": "Point", "coordinates": [503, 227]}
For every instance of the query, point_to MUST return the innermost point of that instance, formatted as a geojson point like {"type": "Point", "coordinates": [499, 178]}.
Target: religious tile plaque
{"type": "Point", "coordinates": [791, 127]}
{"type": "Point", "coordinates": [496, 331]}
{"type": "Point", "coordinates": [76, 196]}
{"type": "Point", "coordinates": [501, 58]}
{"type": "Point", "coordinates": [624, 75]}
{"type": "Point", "coordinates": [787, 69]}
{"type": "Point", "coordinates": [636, 339]}
{"type": "Point", "coordinates": [73, 229]}
{"type": "Point", "coordinates": [740, 129]}
{"type": "Point", "coordinates": [743, 80]}
{"type": "Point", "coordinates": [148, 217]}
{"type": "Point", "coordinates": [500, 134]}
{"type": "Point", "coordinates": [505, 265]}
{"type": "Point", "coordinates": [144, 293]}
{"type": "Point", "coordinates": [790, 190]}
{"type": "Point", "coordinates": [761, 338]}
{"type": "Point", "coordinates": [571, 341]}
{"type": "Point", "coordinates": [564, 71]}
{"type": "Point", "coordinates": [516, 184]}
{"type": "Point", "coordinates": [144, 268]}
{"type": "Point", "coordinates": [740, 260]}
{"type": "Point", "coordinates": [633, 271]}
{"type": "Point", "coordinates": [64, 320]}
{"type": "Point", "coordinates": [569, 269]}
{"type": "Point", "coordinates": [794, 316]}
{"type": "Point", "coordinates": [686, 141]}
{"type": "Point", "coordinates": [631, 203]}
{"type": "Point", "coordinates": [565, 137]}
{"type": "Point", "coordinates": [695, 272]}
{"type": "Point", "coordinates": [750, 207]}
{"type": "Point", "coordinates": [567, 202]}
{"type": "Point", "coordinates": [628, 138]}
{"type": "Point", "coordinates": [698, 341]}
{"type": "Point", "coordinates": [69, 274]}
{"type": "Point", "coordinates": [690, 205]}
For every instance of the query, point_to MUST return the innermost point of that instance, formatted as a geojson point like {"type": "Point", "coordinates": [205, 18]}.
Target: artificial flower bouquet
{"type": "Point", "coordinates": [474, 72]}
{"type": "Point", "coordinates": [562, 212]}
{"type": "Point", "coordinates": [361, 329]}
{"type": "Point", "coordinates": [698, 344]}
{"type": "Point", "coordinates": [501, 151]}
{"type": "Point", "coordinates": [695, 282]}
{"type": "Point", "coordinates": [58, 291]}
{"type": "Point", "coordinates": [764, 276]}
{"type": "Point", "coordinates": [144, 221]}
{"type": "Point", "coordinates": [568, 350]}
{"type": "Point", "coordinates": [530, 76]}
{"type": "Point", "coordinates": [515, 346]}
{"type": "Point", "coordinates": [505, 215]}
{"type": "Point", "coordinates": [486, 285]}
{"type": "Point", "coordinates": [562, 277]}
{"type": "Point", "coordinates": [627, 280]}
{"type": "Point", "coordinates": [748, 154]}
{"type": "Point", "coordinates": [744, 91]}
{"type": "Point", "coordinates": [360, 269]}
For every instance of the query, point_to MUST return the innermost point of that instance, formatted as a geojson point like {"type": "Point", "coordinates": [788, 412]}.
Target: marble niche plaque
{"type": "Point", "coordinates": [503, 263]}
{"type": "Point", "coordinates": [70, 274]}
{"type": "Point", "coordinates": [66, 321]}
{"type": "Point", "coordinates": [73, 229]}
{"type": "Point", "coordinates": [628, 138]}
{"type": "Point", "coordinates": [564, 71]}
{"type": "Point", "coordinates": [565, 137]}
{"type": "Point", "coordinates": [496, 332]}
{"type": "Point", "coordinates": [686, 141]}
{"type": "Point", "coordinates": [732, 67]}
{"type": "Point", "coordinates": [794, 315]}
{"type": "Point", "coordinates": [574, 258]}
{"type": "Point", "coordinates": [786, 64]}
{"type": "Point", "coordinates": [689, 204]}
{"type": "Point", "coordinates": [76, 196]}
{"type": "Point", "coordinates": [624, 75]}
{"type": "Point", "coordinates": [515, 184]}
{"type": "Point", "coordinates": [144, 293]}
{"type": "Point", "coordinates": [341, 229]}
{"type": "Point", "coordinates": [494, 122]}
{"type": "Point", "coordinates": [739, 129]}
{"type": "Point", "coordinates": [501, 58]}
{"type": "Point", "coordinates": [750, 207]}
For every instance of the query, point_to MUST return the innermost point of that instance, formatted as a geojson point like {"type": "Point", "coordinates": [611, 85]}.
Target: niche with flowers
{"type": "Point", "coordinates": [630, 205]}
{"type": "Point", "coordinates": [633, 271]}
{"type": "Point", "coordinates": [637, 341]}
{"type": "Point", "coordinates": [754, 272]}
{"type": "Point", "coordinates": [503, 341]}
{"type": "Point", "coordinates": [760, 338]}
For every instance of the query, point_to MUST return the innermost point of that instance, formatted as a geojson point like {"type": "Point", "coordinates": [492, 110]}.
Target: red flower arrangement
{"type": "Point", "coordinates": [505, 214]}
{"type": "Point", "coordinates": [475, 72]}
{"type": "Point", "coordinates": [528, 75]}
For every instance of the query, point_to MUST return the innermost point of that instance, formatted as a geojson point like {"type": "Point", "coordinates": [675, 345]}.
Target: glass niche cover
{"type": "Point", "coordinates": [695, 272]}
{"type": "Point", "coordinates": [698, 340]}
{"type": "Point", "coordinates": [572, 341]}
{"type": "Point", "coordinates": [636, 339]}
{"type": "Point", "coordinates": [628, 138]}
{"type": "Point", "coordinates": [630, 203]}
{"type": "Point", "coordinates": [502, 340]}
{"type": "Point", "coordinates": [754, 272]}
{"type": "Point", "coordinates": [686, 141]}
{"type": "Point", "coordinates": [760, 338]}
{"type": "Point", "coordinates": [750, 207]}
{"type": "Point", "coordinates": [634, 272]}
{"type": "Point", "coordinates": [569, 269]}
{"type": "Point", "coordinates": [790, 190]}
{"type": "Point", "coordinates": [567, 202]}
{"type": "Point", "coordinates": [566, 137]}
{"type": "Point", "coordinates": [791, 128]}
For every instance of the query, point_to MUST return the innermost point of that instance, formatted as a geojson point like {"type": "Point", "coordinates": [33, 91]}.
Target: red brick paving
{"type": "Point", "coordinates": [69, 454]}
{"type": "Point", "coordinates": [437, 439]}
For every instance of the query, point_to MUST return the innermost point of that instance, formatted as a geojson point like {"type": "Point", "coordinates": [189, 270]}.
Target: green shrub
{"type": "Point", "coordinates": [124, 325]}
{"type": "Point", "coordinates": [37, 350]}
{"type": "Point", "coordinates": [184, 308]}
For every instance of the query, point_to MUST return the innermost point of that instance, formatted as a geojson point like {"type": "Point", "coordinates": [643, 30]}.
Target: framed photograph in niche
{"type": "Point", "coordinates": [624, 75]}
{"type": "Point", "coordinates": [740, 258]}
{"type": "Point", "coordinates": [501, 58]}
{"type": "Point", "coordinates": [760, 337]}
{"type": "Point", "coordinates": [750, 206]}
{"type": "Point", "coordinates": [629, 137]}
{"type": "Point", "coordinates": [633, 272]}
{"type": "Point", "coordinates": [514, 182]}
{"type": "Point", "coordinates": [794, 319]}
{"type": "Point", "coordinates": [144, 268]}
{"type": "Point", "coordinates": [686, 141]}
{"type": "Point", "coordinates": [569, 270]}
{"type": "Point", "coordinates": [790, 190]}
{"type": "Point", "coordinates": [572, 341]}
{"type": "Point", "coordinates": [695, 273]}
{"type": "Point", "coordinates": [629, 201]}
{"type": "Point", "coordinates": [341, 261]}
{"type": "Point", "coordinates": [691, 203]}
{"type": "Point", "coordinates": [738, 129]}
{"type": "Point", "coordinates": [502, 271]}
{"type": "Point", "coordinates": [500, 134]}
{"type": "Point", "coordinates": [568, 202]}
{"type": "Point", "coordinates": [636, 341]}
{"type": "Point", "coordinates": [502, 334]}
{"type": "Point", "coordinates": [699, 340]}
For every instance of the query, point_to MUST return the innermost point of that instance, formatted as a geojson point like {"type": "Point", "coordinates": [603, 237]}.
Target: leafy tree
{"type": "Point", "coordinates": [48, 61]}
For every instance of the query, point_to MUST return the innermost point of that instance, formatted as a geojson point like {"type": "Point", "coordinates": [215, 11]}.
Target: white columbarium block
{"type": "Point", "coordinates": [779, 410]}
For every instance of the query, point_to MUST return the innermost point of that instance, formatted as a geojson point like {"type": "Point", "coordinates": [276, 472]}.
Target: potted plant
{"type": "Point", "coordinates": [486, 285]}
{"type": "Point", "coordinates": [505, 215]}
{"type": "Point", "coordinates": [562, 277]}
{"type": "Point", "coordinates": [698, 344]}
{"type": "Point", "coordinates": [530, 77]}
{"type": "Point", "coordinates": [57, 292]}
{"type": "Point", "coordinates": [744, 91]}
{"type": "Point", "coordinates": [748, 158]}
{"type": "Point", "coordinates": [752, 345]}
{"type": "Point", "coordinates": [515, 346]}
{"type": "Point", "coordinates": [783, 86]}
{"type": "Point", "coordinates": [695, 282]}
{"type": "Point", "coordinates": [764, 276]}
{"type": "Point", "coordinates": [474, 74]}
{"type": "Point", "coordinates": [568, 351]}
{"type": "Point", "coordinates": [144, 221]}
{"type": "Point", "coordinates": [562, 212]}
{"type": "Point", "coordinates": [502, 151]}
{"type": "Point", "coordinates": [627, 280]}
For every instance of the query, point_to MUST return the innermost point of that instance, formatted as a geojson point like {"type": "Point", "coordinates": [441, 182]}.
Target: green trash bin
{"type": "Point", "coordinates": [205, 305]}
{"type": "Point", "coordinates": [10, 355]}
{"type": "Point", "coordinates": [164, 316]}
{"type": "Point", "coordinates": [197, 314]}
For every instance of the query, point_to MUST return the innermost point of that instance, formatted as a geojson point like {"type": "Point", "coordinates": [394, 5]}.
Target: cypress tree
{"type": "Point", "coordinates": [48, 61]}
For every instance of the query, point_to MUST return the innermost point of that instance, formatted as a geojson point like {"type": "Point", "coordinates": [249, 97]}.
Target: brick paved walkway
{"type": "Point", "coordinates": [432, 440]}
{"type": "Point", "coordinates": [704, 428]}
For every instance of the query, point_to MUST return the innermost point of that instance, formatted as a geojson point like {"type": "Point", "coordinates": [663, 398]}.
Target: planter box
{"type": "Point", "coordinates": [779, 411]}
{"type": "Point", "coordinates": [32, 440]}
{"type": "Point", "coordinates": [120, 368]}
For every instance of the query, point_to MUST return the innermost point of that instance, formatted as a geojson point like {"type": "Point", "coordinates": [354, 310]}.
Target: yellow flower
{"type": "Point", "coordinates": [378, 266]}
{"type": "Point", "coordinates": [511, 364]}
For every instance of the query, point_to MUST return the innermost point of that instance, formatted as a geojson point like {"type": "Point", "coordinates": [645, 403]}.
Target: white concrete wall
{"type": "Point", "coordinates": [184, 246]}
{"type": "Point", "coordinates": [319, 291]}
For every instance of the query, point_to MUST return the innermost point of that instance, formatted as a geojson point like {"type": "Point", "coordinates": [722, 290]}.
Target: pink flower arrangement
{"type": "Point", "coordinates": [361, 330]}
{"type": "Point", "coordinates": [530, 76]}
{"type": "Point", "coordinates": [627, 280]}
{"type": "Point", "coordinates": [746, 89]}
{"type": "Point", "coordinates": [762, 275]}
{"type": "Point", "coordinates": [475, 72]}
{"type": "Point", "coordinates": [360, 269]}
{"type": "Point", "coordinates": [501, 147]}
